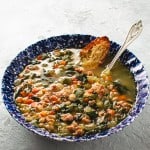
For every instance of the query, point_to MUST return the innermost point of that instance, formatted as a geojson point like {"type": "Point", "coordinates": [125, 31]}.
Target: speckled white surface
{"type": "Point", "coordinates": [24, 22]}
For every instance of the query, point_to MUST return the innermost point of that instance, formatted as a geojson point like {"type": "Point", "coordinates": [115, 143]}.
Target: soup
{"type": "Point", "coordinates": [55, 93]}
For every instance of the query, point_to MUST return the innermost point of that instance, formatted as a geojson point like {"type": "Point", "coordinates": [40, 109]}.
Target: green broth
{"type": "Point", "coordinates": [122, 74]}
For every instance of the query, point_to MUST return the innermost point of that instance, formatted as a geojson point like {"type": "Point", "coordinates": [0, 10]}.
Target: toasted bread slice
{"type": "Point", "coordinates": [95, 52]}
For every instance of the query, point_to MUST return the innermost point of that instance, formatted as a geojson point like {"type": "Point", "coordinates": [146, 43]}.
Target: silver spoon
{"type": "Point", "coordinates": [133, 33]}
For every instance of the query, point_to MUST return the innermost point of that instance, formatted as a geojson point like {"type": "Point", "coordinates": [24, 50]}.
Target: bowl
{"type": "Point", "coordinates": [72, 41]}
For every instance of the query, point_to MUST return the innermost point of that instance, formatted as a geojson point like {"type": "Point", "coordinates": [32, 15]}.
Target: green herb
{"type": "Point", "coordinates": [36, 99]}
{"type": "Point", "coordinates": [69, 67]}
{"type": "Point", "coordinates": [90, 112]}
{"type": "Point", "coordinates": [44, 56]}
{"type": "Point", "coordinates": [107, 104]}
{"type": "Point", "coordinates": [51, 80]}
{"type": "Point", "coordinates": [68, 108]}
{"type": "Point", "coordinates": [70, 73]}
{"type": "Point", "coordinates": [48, 73]}
{"type": "Point", "coordinates": [82, 78]}
{"type": "Point", "coordinates": [79, 92]}
{"type": "Point", "coordinates": [44, 65]}
{"type": "Point", "coordinates": [33, 75]}
{"type": "Point", "coordinates": [66, 57]}
{"type": "Point", "coordinates": [68, 52]}
{"type": "Point", "coordinates": [17, 82]}
{"type": "Point", "coordinates": [35, 61]}
{"type": "Point", "coordinates": [51, 59]}
{"type": "Point", "coordinates": [87, 86]}
{"type": "Point", "coordinates": [120, 88]}
{"type": "Point", "coordinates": [78, 116]}
{"type": "Point", "coordinates": [67, 81]}
{"type": "Point", "coordinates": [93, 96]}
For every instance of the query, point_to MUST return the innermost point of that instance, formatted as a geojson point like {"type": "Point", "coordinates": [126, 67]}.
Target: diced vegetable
{"type": "Point", "coordinates": [35, 61]}
{"type": "Point", "coordinates": [120, 88]}
{"type": "Point", "coordinates": [79, 92]}
{"type": "Point", "coordinates": [42, 56]}
{"type": "Point", "coordinates": [69, 67]}
{"type": "Point", "coordinates": [61, 96]}
{"type": "Point", "coordinates": [90, 111]}
{"type": "Point", "coordinates": [44, 65]}
{"type": "Point", "coordinates": [70, 73]}
{"type": "Point", "coordinates": [36, 99]}
{"type": "Point", "coordinates": [17, 82]}
{"type": "Point", "coordinates": [68, 52]}
{"type": "Point", "coordinates": [67, 81]}
{"type": "Point", "coordinates": [99, 104]}
{"type": "Point", "coordinates": [82, 77]}
{"type": "Point", "coordinates": [90, 126]}
{"type": "Point", "coordinates": [49, 73]}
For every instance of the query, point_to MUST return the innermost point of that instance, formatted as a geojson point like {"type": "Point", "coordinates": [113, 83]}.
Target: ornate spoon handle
{"type": "Point", "coordinates": [134, 32]}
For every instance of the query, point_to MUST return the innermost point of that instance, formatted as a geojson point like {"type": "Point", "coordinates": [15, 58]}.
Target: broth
{"type": "Point", "coordinates": [55, 93]}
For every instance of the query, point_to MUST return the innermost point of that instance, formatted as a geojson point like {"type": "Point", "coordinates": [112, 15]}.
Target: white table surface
{"type": "Point", "coordinates": [23, 22]}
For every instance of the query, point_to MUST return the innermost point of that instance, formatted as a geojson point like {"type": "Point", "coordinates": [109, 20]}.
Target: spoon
{"type": "Point", "coordinates": [133, 33]}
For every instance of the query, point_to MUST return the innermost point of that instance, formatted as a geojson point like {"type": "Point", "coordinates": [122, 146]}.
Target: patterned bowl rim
{"type": "Point", "coordinates": [138, 71]}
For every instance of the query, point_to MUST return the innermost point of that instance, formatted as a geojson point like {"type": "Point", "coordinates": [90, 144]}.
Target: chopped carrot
{"type": "Point", "coordinates": [19, 100]}
{"type": "Point", "coordinates": [39, 57]}
{"type": "Point", "coordinates": [35, 90]}
{"type": "Point", "coordinates": [30, 95]}
{"type": "Point", "coordinates": [54, 99]}
{"type": "Point", "coordinates": [72, 127]}
{"type": "Point", "coordinates": [28, 101]}
{"type": "Point", "coordinates": [111, 112]}
{"type": "Point", "coordinates": [67, 117]}
{"type": "Point", "coordinates": [56, 102]}
{"type": "Point", "coordinates": [46, 100]}
{"type": "Point", "coordinates": [90, 91]}
{"type": "Point", "coordinates": [43, 113]}
{"type": "Point", "coordinates": [108, 78]}
{"type": "Point", "coordinates": [23, 93]}
{"type": "Point", "coordinates": [63, 62]}
{"type": "Point", "coordinates": [52, 112]}
{"type": "Point", "coordinates": [55, 65]}
{"type": "Point", "coordinates": [34, 104]}
{"type": "Point", "coordinates": [122, 97]}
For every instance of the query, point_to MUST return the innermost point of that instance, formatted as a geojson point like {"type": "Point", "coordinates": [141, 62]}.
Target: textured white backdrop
{"type": "Point", "coordinates": [23, 22]}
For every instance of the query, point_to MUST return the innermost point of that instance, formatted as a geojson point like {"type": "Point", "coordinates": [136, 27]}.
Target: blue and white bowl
{"type": "Point", "coordinates": [72, 41]}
